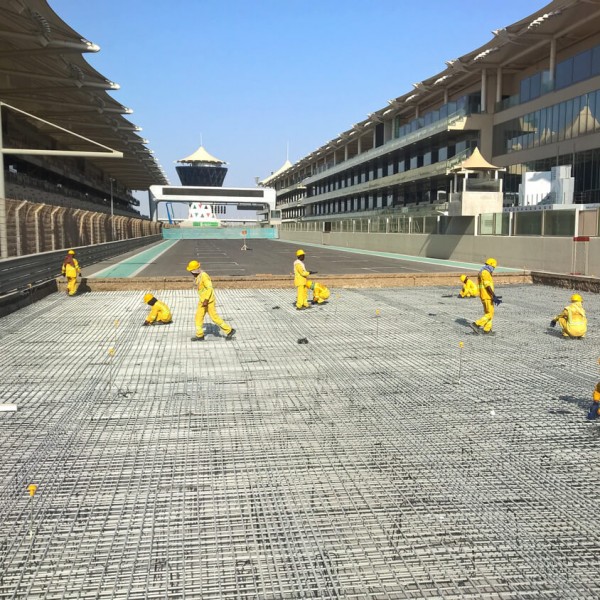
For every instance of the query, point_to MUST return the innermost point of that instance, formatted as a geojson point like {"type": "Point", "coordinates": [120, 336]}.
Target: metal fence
{"type": "Point", "coordinates": [33, 269]}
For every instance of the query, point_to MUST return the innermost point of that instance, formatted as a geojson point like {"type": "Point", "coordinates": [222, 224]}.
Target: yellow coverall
{"type": "Point", "coordinates": [469, 290]}
{"type": "Point", "coordinates": [320, 292]}
{"type": "Point", "coordinates": [206, 304]}
{"type": "Point", "coordinates": [573, 320]}
{"type": "Point", "coordinates": [70, 271]}
{"type": "Point", "coordinates": [159, 313]}
{"type": "Point", "coordinates": [300, 275]}
{"type": "Point", "coordinates": [485, 281]}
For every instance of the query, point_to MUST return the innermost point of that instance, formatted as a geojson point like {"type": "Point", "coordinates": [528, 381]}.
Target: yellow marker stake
{"type": "Point", "coordinates": [111, 353]}
{"type": "Point", "coordinates": [32, 489]}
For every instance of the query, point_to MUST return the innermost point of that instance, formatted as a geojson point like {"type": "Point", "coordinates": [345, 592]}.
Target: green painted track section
{"type": "Point", "coordinates": [419, 259]}
{"type": "Point", "coordinates": [132, 265]}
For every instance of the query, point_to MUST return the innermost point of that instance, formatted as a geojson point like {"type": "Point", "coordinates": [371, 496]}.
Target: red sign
{"type": "Point", "coordinates": [581, 238]}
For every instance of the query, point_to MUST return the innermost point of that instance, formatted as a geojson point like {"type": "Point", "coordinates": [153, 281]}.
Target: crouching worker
{"type": "Point", "coordinates": [469, 288]}
{"type": "Point", "coordinates": [595, 407]}
{"type": "Point", "coordinates": [572, 319]}
{"type": "Point", "coordinates": [159, 313]}
{"type": "Point", "coordinates": [320, 292]}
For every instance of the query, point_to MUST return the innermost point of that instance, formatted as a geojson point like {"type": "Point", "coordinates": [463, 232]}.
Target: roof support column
{"type": "Point", "coordinates": [484, 90]}
{"type": "Point", "coordinates": [445, 95]}
{"type": "Point", "coordinates": [3, 224]}
{"type": "Point", "coordinates": [499, 84]}
{"type": "Point", "coordinates": [552, 66]}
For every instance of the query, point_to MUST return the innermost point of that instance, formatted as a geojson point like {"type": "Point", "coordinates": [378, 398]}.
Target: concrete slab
{"type": "Point", "coordinates": [380, 460]}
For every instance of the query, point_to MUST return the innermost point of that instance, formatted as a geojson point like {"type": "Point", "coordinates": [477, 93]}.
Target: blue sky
{"type": "Point", "coordinates": [250, 76]}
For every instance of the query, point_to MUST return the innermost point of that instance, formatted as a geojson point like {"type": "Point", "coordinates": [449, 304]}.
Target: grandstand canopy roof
{"type": "Point", "coordinates": [286, 165]}
{"type": "Point", "coordinates": [43, 72]}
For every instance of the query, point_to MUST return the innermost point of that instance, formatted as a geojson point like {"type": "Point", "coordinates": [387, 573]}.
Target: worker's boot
{"type": "Point", "coordinates": [593, 412]}
{"type": "Point", "coordinates": [475, 328]}
{"type": "Point", "coordinates": [230, 335]}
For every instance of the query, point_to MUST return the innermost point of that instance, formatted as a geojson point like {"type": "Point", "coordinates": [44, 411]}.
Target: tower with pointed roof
{"type": "Point", "coordinates": [201, 169]}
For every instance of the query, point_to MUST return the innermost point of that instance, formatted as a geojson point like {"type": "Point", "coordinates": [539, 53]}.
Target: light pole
{"type": "Point", "coordinates": [112, 217]}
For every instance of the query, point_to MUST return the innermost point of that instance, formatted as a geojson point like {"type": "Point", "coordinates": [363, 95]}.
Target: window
{"type": "Point", "coordinates": [582, 66]}
{"type": "Point", "coordinates": [564, 73]}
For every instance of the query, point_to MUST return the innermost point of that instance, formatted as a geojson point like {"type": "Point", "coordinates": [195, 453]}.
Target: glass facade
{"type": "Point", "coordinates": [466, 105]}
{"type": "Point", "coordinates": [572, 70]}
{"type": "Point", "coordinates": [570, 119]}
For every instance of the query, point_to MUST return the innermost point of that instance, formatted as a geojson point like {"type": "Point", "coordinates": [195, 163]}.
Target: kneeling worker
{"type": "Point", "coordinates": [159, 313]}
{"type": "Point", "coordinates": [206, 303]}
{"type": "Point", "coordinates": [320, 292]}
{"type": "Point", "coordinates": [469, 289]}
{"type": "Point", "coordinates": [572, 319]}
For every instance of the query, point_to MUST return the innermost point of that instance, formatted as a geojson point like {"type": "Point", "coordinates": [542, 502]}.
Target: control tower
{"type": "Point", "coordinates": [201, 169]}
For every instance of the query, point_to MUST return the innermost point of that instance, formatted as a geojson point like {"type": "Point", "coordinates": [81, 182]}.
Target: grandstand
{"type": "Point", "coordinates": [65, 141]}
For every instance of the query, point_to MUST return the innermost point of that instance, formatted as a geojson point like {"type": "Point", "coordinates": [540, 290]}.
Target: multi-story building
{"type": "Point", "coordinates": [529, 99]}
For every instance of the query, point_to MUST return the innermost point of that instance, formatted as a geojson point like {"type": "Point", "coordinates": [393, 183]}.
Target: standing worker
{"type": "Point", "coordinates": [206, 303]}
{"type": "Point", "coordinates": [160, 312]}
{"type": "Point", "coordinates": [300, 281]}
{"type": "Point", "coordinates": [70, 269]}
{"type": "Point", "coordinates": [488, 298]}
{"type": "Point", "coordinates": [469, 289]}
{"type": "Point", "coordinates": [572, 319]}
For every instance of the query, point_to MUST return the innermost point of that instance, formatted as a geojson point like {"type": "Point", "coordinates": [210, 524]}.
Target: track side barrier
{"type": "Point", "coordinates": [39, 271]}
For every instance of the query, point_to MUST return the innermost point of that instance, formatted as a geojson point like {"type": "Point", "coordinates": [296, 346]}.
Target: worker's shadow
{"type": "Point", "coordinates": [83, 287]}
{"type": "Point", "coordinates": [464, 322]}
{"type": "Point", "coordinates": [557, 333]}
{"type": "Point", "coordinates": [582, 403]}
{"type": "Point", "coordinates": [212, 329]}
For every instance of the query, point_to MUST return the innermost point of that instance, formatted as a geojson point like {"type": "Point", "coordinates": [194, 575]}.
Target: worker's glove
{"type": "Point", "coordinates": [205, 303]}
{"type": "Point", "coordinates": [497, 300]}
{"type": "Point", "coordinates": [312, 272]}
{"type": "Point", "coordinates": [553, 323]}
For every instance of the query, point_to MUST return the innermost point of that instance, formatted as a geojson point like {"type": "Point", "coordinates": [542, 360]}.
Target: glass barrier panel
{"type": "Point", "coordinates": [486, 224]}
{"type": "Point", "coordinates": [559, 222]}
{"type": "Point", "coordinates": [528, 223]}
{"type": "Point", "coordinates": [430, 224]}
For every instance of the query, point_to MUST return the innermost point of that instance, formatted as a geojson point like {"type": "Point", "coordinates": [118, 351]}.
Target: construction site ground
{"type": "Point", "coordinates": [396, 454]}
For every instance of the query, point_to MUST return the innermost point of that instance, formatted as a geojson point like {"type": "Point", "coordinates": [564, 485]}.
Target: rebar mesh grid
{"type": "Point", "coordinates": [380, 460]}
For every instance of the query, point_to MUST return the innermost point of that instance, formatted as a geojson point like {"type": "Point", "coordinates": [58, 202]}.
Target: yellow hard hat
{"type": "Point", "coordinates": [193, 265]}
{"type": "Point", "coordinates": [71, 252]}
{"type": "Point", "coordinates": [492, 262]}
{"type": "Point", "coordinates": [463, 278]}
{"type": "Point", "coordinates": [576, 298]}
{"type": "Point", "coordinates": [299, 252]}
{"type": "Point", "coordinates": [148, 297]}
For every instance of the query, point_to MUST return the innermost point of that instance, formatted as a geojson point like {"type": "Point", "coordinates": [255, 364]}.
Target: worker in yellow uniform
{"type": "Point", "coordinates": [469, 289]}
{"type": "Point", "coordinates": [300, 279]}
{"type": "Point", "coordinates": [320, 292]}
{"type": "Point", "coordinates": [159, 313]}
{"type": "Point", "coordinates": [594, 412]}
{"type": "Point", "coordinates": [70, 270]}
{"type": "Point", "coordinates": [206, 303]}
{"type": "Point", "coordinates": [488, 298]}
{"type": "Point", "coordinates": [572, 319]}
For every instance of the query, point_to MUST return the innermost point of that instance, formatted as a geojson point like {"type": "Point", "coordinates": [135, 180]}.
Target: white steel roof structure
{"type": "Point", "coordinates": [43, 72]}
